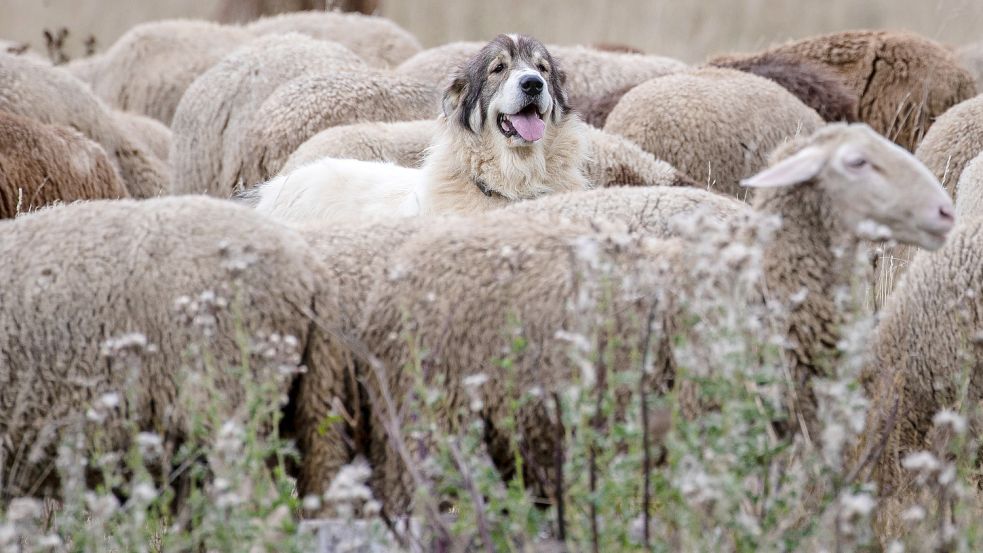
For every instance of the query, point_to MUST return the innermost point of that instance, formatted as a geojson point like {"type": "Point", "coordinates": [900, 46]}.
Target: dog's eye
{"type": "Point", "coordinates": [542, 68]}
{"type": "Point", "coordinates": [498, 68]}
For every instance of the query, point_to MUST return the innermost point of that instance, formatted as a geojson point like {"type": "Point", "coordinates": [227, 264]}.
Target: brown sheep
{"type": "Point", "coordinates": [44, 164]}
{"type": "Point", "coordinates": [904, 81]}
{"type": "Point", "coordinates": [813, 83]}
{"type": "Point", "coordinates": [52, 95]}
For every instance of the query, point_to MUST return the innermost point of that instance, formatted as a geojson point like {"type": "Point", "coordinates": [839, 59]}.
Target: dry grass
{"type": "Point", "coordinates": [686, 30]}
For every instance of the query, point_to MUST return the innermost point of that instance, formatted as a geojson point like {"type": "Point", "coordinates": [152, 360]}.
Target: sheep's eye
{"type": "Point", "coordinates": [856, 162]}
{"type": "Point", "coordinates": [498, 68]}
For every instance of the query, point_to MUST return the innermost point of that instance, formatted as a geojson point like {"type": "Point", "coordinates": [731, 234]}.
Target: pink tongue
{"type": "Point", "coordinates": [529, 126]}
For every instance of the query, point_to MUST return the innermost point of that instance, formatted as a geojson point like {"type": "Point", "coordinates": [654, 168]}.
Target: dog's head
{"type": "Point", "coordinates": [514, 85]}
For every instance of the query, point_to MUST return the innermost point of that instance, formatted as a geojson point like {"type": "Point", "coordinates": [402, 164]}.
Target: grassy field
{"type": "Point", "coordinates": [686, 30]}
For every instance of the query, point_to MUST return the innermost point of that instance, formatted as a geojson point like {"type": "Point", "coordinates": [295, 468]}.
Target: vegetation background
{"type": "Point", "coordinates": [686, 29]}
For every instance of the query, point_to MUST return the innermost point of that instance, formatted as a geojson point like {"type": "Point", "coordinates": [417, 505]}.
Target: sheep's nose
{"type": "Point", "coordinates": [531, 85]}
{"type": "Point", "coordinates": [947, 213]}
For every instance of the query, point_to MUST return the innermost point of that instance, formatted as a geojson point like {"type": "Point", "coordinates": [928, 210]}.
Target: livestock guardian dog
{"type": "Point", "coordinates": [506, 134]}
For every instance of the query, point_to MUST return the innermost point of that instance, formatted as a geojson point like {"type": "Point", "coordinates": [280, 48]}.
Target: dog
{"type": "Point", "coordinates": [506, 133]}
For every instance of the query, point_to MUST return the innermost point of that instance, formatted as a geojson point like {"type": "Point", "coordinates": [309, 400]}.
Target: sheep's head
{"type": "Point", "coordinates": [876, 188]}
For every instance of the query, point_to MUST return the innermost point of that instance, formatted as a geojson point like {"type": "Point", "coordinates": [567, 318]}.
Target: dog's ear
{"type": "Point", "coordinates": [558, 80]}
{"type": "Point", "coordinates": [454, 93]}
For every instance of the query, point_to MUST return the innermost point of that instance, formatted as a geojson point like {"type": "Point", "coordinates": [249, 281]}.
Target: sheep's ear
{"type": "Point", "coordinates": [799, 168]}
{"type": "Point", "coordinates": [454, 93]}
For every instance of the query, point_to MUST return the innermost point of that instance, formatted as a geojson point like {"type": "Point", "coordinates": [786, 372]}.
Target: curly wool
{"type": "Point", "coordinates": [68, 290]}
{"type": "Point", "coordinates": [403, 143]}
{"type": "Point", "coordinates": [148, 69]}
{"type": "Point", "coordinates": [715, 125]}
{"type": "Point", "coordinates": [953, 141]}
{"type": "Point", "coordinates": [377, 40]}
{"type": "Point", "coordinates": [301, 108]}
{"type": "Point", "coordinates": [212, 120]}
{"type": "Point", "coordinates": [655, 211]}
{"type": "Point", "coordinates": [927, 336]}
{"type": "Point", "coordinates": [45, 164]}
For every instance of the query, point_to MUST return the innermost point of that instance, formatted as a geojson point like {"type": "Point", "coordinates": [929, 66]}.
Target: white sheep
{"type": "Point", "coordinates": [211, 121]}
{"type": "Point", "coordinates": [511, 275]}
{"type": "Point", "coordinates": [716, 125]}
{"type": "Point", "coordinates": [953, 141]}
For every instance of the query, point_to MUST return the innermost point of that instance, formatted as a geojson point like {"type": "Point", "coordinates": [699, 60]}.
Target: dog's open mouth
{"type": "Point", "coordinates": [527, 123]}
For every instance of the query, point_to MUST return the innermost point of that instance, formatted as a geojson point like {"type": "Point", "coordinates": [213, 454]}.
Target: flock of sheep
{"type": "Point", "coordinates": [846, 137]}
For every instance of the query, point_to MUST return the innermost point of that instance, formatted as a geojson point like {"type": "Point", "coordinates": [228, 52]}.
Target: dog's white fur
{"type": "Point", "coordinates": [345, 190]}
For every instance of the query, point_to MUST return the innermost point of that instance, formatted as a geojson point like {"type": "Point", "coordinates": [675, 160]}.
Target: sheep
{"type": "Point", "coordinates": [70, 296]}
{"type": "Point", "coordinates": [594, 110]}
{"type": "Point", "coordinates": [300, 108]}
{"type": "Point", "coordinates": [816, 85]}
{"type": "Point", "coordinates": [590, 72]}
{"type": "Point", "coordinates": [715, 125]}
{"type": "Point", "coordinates": [927, 338]}
{"type": "Point", "coordinates": [377, 40]}
{"type": "Point", "coordinates": [904, 81]}
{"type": "Point", "coordinates": [611, 159]}
{"type": "Point", "coordinates": [971, 57]}
{"type": "Point", "coordinates": [21, 49]}
{"type": "Point", "coordinates": [969, 191]}
{"type": "Point", "coordinates": [401, 143]}
{"type": "Point", "coordinates": [953, 141]}
{"type": "Point", "coordinates": [458, 276]}
{"type": "Point", "coordinates": [651, 210]}
{"type": "Point", "coordinates": [155, 135]}
{"type": "Point", "coordinates": [149, 68]}
{"type": "Point", "coordinates": [42, 164]}
{"type": "Point", "coordinates": [212, 119]}
{"type": "Point", "coordinates": [51, 95]}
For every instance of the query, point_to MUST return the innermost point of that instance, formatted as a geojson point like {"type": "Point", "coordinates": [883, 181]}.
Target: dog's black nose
{"type": "Point", "coordinates": [531, 85]}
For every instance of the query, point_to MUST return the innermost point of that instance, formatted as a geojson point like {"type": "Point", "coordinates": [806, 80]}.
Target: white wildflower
{"type": "Point", "coordinates": [800, 296]}
{"type": "Point", "coordinates": [913, 514]}
{"type": "Point", "coordinates": [475, 380]}
{"type": "Point", "coordinates": [144, 492]}
{"type": "Point", "coordinates": [312, 503]}
{"type": "Point", "coordinates": [872, 230]}
{"type": "Point", "coordinates": [109, 401]}
{"type": "Point", "coordinates": [51, 541]}
{"type": "Point", "coordinates": [101, 507]}
{"type": "Point", "coordinates": [948, 474]}
{"type": "Point", "coordinates": [950, 418]}
{"type": "Point", "coordinates": [921, 461]}
{"type": "Point", "coordinates": [95, 416]}
{"type": "Point", "coordinates": [348, 488]}
{"type": "Point", "coordinates": [150, 444]}
{"type": "Point", "coordinates": [7, 533]}
{"type": "Point", "coordinates": [860, 504]}
{"type": "Point", "coordinates": [24, 508]}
